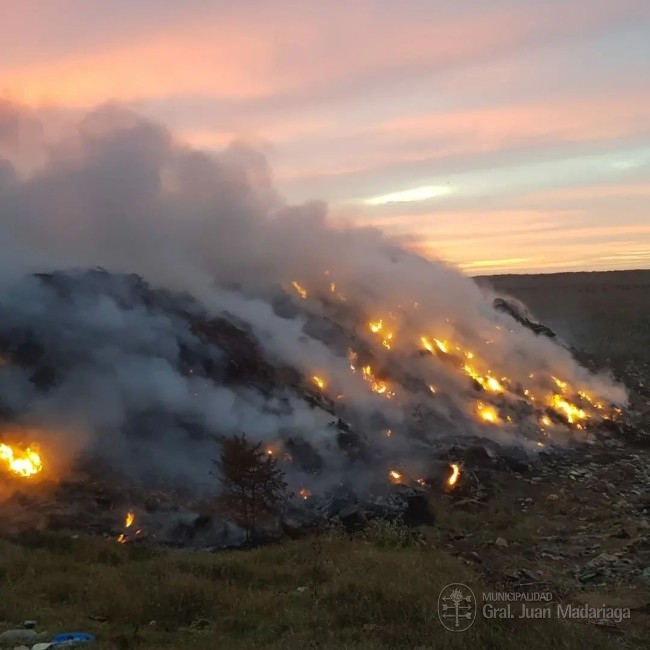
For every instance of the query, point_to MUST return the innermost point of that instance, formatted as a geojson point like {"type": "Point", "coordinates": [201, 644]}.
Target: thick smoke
{"type": "Point", "coordinates": [115, 190]}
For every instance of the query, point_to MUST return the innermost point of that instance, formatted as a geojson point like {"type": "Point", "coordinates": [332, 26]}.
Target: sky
{"type": "Point", "coordinates": [501, 135]}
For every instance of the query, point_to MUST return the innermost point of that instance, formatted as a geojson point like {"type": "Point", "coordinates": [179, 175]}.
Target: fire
{"type": "Point", "coordinates": [562, 385]}
{"type": "Point", "coordinates": [130, 518]}
{"type": "Point", "coordinates": [571, 412]}
{"type": "Point", "coordinates": [585, 396]}
{"type": "Point", "coordinates": [22, 463]}
{"type": "Point", "coordinates": [487, 382]}
{"type": "Point", "coordinates": [377, 386]}
{"type": "Point", "coordinates": [395, 476]}
{"type": "Point", "coordinates": [428, 346]}
{"type": "Point", "coordinates": [442, 346]}
{"type": "Point", "coordinates": [487, 413]}
{"type": "Point", "coordinates": [378, 327]}
{"type": "Point", "coordinates": [455, 473]}
{"type": "Point", "coordinates": [546, 421]}
{"type": "Point", "coordinates": [301, 291]}
{"type": "Point", "coordinates": [320, 382]}
{"type": "Point", "coordinates": [304, 493]}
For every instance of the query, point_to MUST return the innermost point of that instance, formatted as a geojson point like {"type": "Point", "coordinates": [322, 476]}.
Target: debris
{"type": "Point", "coordinates": [501, 542]}
{"type": "Point", "coordinates": [72, 638]}
{"type": "Point", "coordinates": [11, 638]}
{"type": "Point", "coordinates": [353, 518]}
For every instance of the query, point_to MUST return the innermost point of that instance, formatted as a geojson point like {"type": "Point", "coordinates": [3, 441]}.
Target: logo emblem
{"type": "Point", "coordinates": [457, 607]}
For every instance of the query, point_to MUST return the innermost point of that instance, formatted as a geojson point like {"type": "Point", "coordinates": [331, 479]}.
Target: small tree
{"type": "Point", "coordinates": [253, 488]}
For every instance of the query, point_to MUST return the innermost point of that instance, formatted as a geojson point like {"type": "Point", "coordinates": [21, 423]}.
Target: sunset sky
{"type": "Point", "coordinates": [507, 135]}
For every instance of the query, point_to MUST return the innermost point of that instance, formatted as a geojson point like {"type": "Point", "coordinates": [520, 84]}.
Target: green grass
{"type": "Point", "coordinates": [378, 590]}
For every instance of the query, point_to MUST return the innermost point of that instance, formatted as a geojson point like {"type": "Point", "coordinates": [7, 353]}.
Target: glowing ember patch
{"type": "Point", "coordinates": [319, 382]}
{"type": "Point", "coordinates": [395, 476]}
{"type": "Point", "coordinates": [432, 389]}
{"type": "Point", "coordinates": [488, 413]}
{"type": "Point", "coordinates": [23, 463]}
{"type": "Point", "coordinates": [377, 327]}
{"type": "Point", "coordinates": [301, 291]}
{"type": "Point", "coordinates": [442, 346]}
{"type": "Point", "coordinates": [562, 385]}
{"type": "Point", "coordinates": [377, 386]}
{"type": "Point", "coordinates": [572, 413]}
{"type": "Point", "coordinates": [546, 421]}
{"type": "Point", "coordinates": [304, 493]}
{"type": "Point", "coordinates": [455, 474]}
{"type": "Point", "coordinates": [487, 382]}
{"type": "Point", "coordinates": [128, 521]}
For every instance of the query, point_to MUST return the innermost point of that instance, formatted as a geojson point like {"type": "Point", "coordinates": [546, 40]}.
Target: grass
{"type": "Point", "coordinates": [605, 314]}
{"type": "Point", "coordinates": [377, 590]}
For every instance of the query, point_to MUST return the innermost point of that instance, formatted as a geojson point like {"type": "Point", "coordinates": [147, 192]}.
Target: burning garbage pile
{"type": "Point", "coordinates": [396, 396]}
{"type": "Point", "coordinates": [357, 363]}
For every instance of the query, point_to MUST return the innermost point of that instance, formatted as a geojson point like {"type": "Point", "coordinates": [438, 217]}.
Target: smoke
{"type": "Point", "coordinates": [112, 189]}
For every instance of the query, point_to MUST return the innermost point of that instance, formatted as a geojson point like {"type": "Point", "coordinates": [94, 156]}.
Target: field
{"type": "Point", "coordinates": [604, 313]}
{"type": "Point", "coordinates": [577, 527]}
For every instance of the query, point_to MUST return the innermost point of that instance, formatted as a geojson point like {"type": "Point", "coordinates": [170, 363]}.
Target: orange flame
{"type": "Point", "coordinates": [487, 413]}
{"type": "Point", "coordinates": [130, 518]}
{"type": "Point", "coordinates": [319, 381]}
{"type": "Point", "coordinates": [22, 463]}
{"type": "Point", "coordinates": [395, 476]}
{"type": "Point", "coordinates": [304, 493]}
{"type": "Point", "coordinates": [300, 290]}
{"type": "Point", "coordinates": [455, 473]}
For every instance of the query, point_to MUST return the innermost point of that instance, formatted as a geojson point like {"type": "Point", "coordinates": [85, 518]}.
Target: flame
{"type": "Point", "coordinates": [304, 493]}
{"type": "Point", "coordinates": [442, 345]}
{"type": "Point", "coordinates": [301, 291]}
{"type": "Point", "coordinates": [377, 327]}
{"type": "Point", "coordinates": [487, 413]}
{"type": "Point", "coordinates": [395, 476]}
{"type": "Point", "coordinates": [319, 382]}
{"type": "Point", "coordinates": [571, 412]}
{"type": "Point", "coordinates": [376, 385]}
{"type": "Point", "coordinates": [585, 396]}
{"type": "Point", "coordinates": [432, 389]}
{"type": "Point", "coordinates": [562, 385]}
{"type": "Point", "coordinates": [487, 382]}
{"type": "Point", "coordinates": [546, 421]}
{"type": "Point", "coordinates": [455, 473]}
{"type": "Point", "coordinates": [121, 539]}
{"type": "Point", "coordinates": [130, 518]}
{"type": "Point", "coordinates": [22, 463]}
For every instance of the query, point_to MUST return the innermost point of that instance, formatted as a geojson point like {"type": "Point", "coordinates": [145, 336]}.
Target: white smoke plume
{"type": "Point", "coordinates": [112, 189]}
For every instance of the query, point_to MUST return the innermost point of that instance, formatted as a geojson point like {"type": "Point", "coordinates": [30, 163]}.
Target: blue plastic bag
{"type": "Point", "coordinates": [68, 637]}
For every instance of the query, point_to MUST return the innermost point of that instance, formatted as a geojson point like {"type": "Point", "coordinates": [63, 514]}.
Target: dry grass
{"type": "Point", "coordinates": [605, 314]}
{"type": "Point", "coordinates": [375, 591]}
